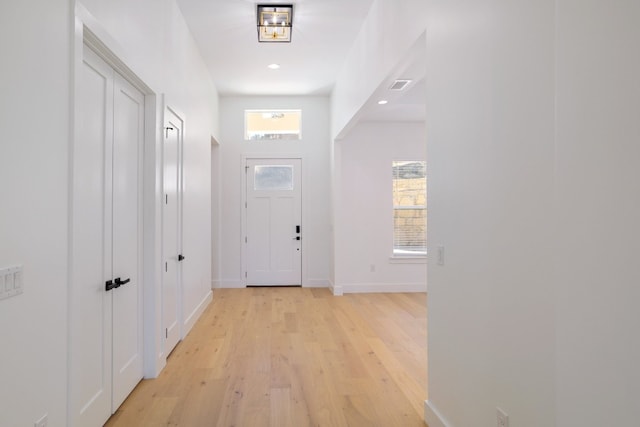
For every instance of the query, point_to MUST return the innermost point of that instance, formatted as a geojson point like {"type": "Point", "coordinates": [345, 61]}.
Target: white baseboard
{"type": "Point", "coordinates": [432, 417]}
{"type": "Point", "coordinates": [195, 314]}
{"type": "Point", "coordinates": [227, 284]}
{"type": "Point", "coordinates": [336, 290]}
{"type": "Point", "coordinates": [354, 288]}
{"type": "Point", "coordinates": [317, 283]}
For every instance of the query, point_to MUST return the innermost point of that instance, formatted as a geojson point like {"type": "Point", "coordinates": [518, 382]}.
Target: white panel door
{"type": "Point", "coordinates": [274, 228]}
{"type": "Point", "coordinates": [106, 294]}
{"type": "Point", "coordinates": [90, 306]}
{"type": "Point", "coordinates": [128, 136]}
{"type": "Point", "coordinates": [171, 221]}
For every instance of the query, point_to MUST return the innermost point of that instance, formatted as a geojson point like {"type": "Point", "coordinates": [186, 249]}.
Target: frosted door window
{"type": "Point", "coordinates": [273, 178]}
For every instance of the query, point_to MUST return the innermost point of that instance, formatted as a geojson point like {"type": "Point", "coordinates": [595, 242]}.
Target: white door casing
{"type": "Point", "coordinates": [273, 222]}
{"type": "Point", "coordinates": [106, 236]}
{"type": "Point", "coordinates": [171, 228]}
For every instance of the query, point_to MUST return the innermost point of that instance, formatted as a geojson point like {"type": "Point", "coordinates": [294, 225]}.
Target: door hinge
{"type": "Point", "coordinates": [166, 332]}
{"type": "Point", "coordinates": [166, 199]}
{"type": "Point", "coordinates": [166, 267]}
{"type": "Point", "coordinates": [245, 239]}
{"type": "Point", "coordinates": [245, 274]}
{"type": "Point", "coordinates": [246, 169]}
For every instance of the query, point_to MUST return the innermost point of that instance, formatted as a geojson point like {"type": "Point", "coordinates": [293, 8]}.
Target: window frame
{"type": "Point", "coordinates": [418, 256]}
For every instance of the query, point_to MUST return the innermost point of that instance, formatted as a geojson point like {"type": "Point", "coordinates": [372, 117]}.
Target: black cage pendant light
{"type": "Point", "coordinates": [275, 22]}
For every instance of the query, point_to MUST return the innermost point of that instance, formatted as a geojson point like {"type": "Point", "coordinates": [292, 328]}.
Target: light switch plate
{"type": "Point", "coordinates": [11, 282]}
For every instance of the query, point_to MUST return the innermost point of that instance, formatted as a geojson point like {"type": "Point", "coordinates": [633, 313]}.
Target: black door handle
{"type": "Point", "coordinates": [180, 257]}
{"type": "Point", "coordinates": [119, 282]}
{"type": "Point", "coordinates": [109, 285]}
{"type": "Point", "coordinates": [298, 229]}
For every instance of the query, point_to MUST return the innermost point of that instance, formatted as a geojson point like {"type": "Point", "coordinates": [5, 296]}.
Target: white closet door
{"type": "Point", "coordinates": [128, 135]}
{"type": "Point", "coordinates": [106, 325]}
{"type": "Point", "coordinates": [91, 326]}
{"type": "Point", "coordinates": [171, 220]}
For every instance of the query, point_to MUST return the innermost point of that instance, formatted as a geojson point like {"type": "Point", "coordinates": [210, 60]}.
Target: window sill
{"type": "Point", "coordinates": [408, 259]}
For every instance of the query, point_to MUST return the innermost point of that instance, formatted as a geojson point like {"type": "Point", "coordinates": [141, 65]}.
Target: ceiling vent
{"type": "Point", "coordinates": [400, 84]}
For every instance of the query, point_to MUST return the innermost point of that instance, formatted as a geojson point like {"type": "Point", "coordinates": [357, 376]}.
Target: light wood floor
{"type": "Point", "coordinates": [292, 357]}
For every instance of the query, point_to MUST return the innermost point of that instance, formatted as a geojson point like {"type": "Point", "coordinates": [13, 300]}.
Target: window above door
{"type": "Point", "coordinates": [266, 125]}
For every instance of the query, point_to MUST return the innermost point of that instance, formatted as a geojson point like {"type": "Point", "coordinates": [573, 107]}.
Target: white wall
{"type": "Point", "coordinates": [490, 131]}
{"type": "Point", "coordinates": [391, 28]}
{"type": "Point", "coordinates": [314, 151]}
{"type": "Point", "coordinates": [364, 215]}
{"type": "Point", "coordinates": [36, 40]}
{"type": "Point", "coordinates": [598, 207]}
{"type": "Point", "coordinates": [34, 121]}
{"type": "Point", "coordinates": [154, 41]}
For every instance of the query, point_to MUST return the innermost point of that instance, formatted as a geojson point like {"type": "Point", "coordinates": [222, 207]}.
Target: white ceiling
{"type": "Point", "coordinates": [226, 34]}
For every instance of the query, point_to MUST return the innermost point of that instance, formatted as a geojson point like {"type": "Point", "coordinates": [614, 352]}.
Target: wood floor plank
{"type": "Point", "coordinates": [279, 357]}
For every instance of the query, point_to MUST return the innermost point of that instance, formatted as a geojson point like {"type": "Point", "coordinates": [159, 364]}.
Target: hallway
{"type": "Point", "coordinates": [292, 357]}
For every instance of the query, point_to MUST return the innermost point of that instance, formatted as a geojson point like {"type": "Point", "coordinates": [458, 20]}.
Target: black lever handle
{"type": "Point", "coordinates": [180, 257]}
{"type": "Point", "coordinates": [109, 285]}
{"type": "Point", "coordinates": [298, 229]}
{"type": "Point", "coordinates": [119, 282]}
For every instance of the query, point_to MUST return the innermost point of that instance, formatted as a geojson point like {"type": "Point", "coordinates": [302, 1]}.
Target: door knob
{"type": "Point", "coordinates": [119, 282]}
{"type": "Point", "coordinates": [109, 285]}
{"type": "Point", "coordinates": [180, 257]}
{"type": "Point", "coordinates": [296, 238]}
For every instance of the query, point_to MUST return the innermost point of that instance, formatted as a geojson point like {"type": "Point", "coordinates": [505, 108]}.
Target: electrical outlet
{"type": "Point", "coordinates": [42, 422]}
{"type": "Point", "coordinates": [503, 418]}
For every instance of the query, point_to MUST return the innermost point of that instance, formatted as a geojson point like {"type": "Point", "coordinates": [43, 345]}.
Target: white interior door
{"type": "Point", "coordinates": [274, 228]}
{"type": "Point", "coordinates": [106, 319]}
{"type": "Point", "coordinates": [128, 136]}
{"type": "Point", "coordinates": [171, 220]}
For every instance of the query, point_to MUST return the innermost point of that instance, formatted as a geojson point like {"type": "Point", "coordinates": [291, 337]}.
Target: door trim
{"type": "Point", "coordinates": [88, 30]}
{"type": "Point", "coordinates": [243, 216]}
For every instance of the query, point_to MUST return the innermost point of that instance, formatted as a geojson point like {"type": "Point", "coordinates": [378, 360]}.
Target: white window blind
{"type": "Point", "coordinates": [409, 208]}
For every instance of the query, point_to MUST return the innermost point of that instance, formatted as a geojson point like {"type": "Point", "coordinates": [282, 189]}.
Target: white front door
{"type": "Point", "coordinates": [172, 257]}
{"type": "Point", "coordinates": [106, 286]}
{"type": "Point", "coordinates": [274, 227]}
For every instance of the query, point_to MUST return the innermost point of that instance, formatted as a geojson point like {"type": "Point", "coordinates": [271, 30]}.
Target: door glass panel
{"type": "Point", "coordinates": [273, 178]}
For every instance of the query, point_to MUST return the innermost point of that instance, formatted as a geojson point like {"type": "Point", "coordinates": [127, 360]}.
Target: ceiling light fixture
{"type": "Point", "coordinates": [383, 102]}
{"type": "Point", "coordinates": [273, 66]}
{"type": "Point", "coordinates": [274, 22]}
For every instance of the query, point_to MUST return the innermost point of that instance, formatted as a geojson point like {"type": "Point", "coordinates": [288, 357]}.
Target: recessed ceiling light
{"type": "Point", "coordinates": [273, 66]}
{"type": "Point", "coordinates": [382, 102]}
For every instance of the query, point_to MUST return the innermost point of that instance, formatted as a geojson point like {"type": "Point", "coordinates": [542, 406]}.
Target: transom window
{"type": "Point", "coordinates": [260, 125]}
{"type": "Point", "coordinates": [409, 208]}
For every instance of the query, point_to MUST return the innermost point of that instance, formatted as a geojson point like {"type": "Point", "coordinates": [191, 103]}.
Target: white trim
{"type": "Point", "coordinates": [195, 314]}
{"type": "Point", "coordinates": [358, 288]}
{"type": "Point", "coordinates": [317, 283]}
{"type": "Point", "coordinates": [229, 284]}
{"type": "Point", "coordinates": [408, 259]}
{"type": "Point", "coordinates": [337, 290]}
{"type": "Point", "coordinates": [432, 417]}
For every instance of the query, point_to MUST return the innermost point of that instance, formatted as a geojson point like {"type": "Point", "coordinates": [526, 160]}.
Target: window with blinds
{"type": "Point", "coordinates": [409, 208]}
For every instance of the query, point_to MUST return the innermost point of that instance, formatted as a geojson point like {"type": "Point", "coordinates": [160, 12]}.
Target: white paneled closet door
{"type": "Point", "coordinates": [106, 293]}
